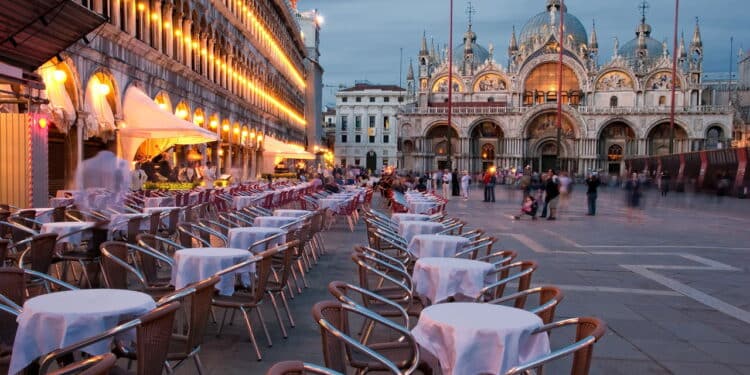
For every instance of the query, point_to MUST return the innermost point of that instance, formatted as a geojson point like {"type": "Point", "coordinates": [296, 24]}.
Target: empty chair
{"type": "Point", "coordinates": [588, 330]}
{"type": "Point", "coordinates": [549, 298]}
{"type": "Point", "coordinates": [116, 265]}
{"type": "Point", "coordinates": [299, 368]}
{"type": "Point", "coordinates": [97, 365]}
{"type": "Point", "coordinates": [523, 271]}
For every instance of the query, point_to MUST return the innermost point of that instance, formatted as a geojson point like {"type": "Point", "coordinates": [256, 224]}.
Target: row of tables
{"type": "Point", "coordinates": [55, 320]}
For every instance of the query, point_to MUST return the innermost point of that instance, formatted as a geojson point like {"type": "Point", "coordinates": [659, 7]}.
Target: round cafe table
{"type": "Point", "coordinates": [192, 265]}
{"type": "Point", "coordinates": [397, 218]}
{"type": "Point", "coordinates": [440, 278]}
{"type": "Point", "coordinates": [436, 245]}
{"type": "Point", "coordinates": [244, 237]}
{"type": "Point", "coordinates": [291, 213]}
{"type": "Point", "coordinates": [158, 201]}
{"type": "Point", "coordinates": [56, 320]}
{"type": "Point", "coordinates": [65, 227]}
{"type": "Point", "coordinates": [165, 218]}
{"type": "Point", "coordinates": [479, 338]}
{"type": "Point", "coordinates": [273, 221]}
{"type": "Point", "coordinates": [409, 228]}
{"type": "Point", "coordinates": [241, 201]}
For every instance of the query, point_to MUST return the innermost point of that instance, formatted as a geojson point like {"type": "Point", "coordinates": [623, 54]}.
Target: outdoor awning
{"type": "Point", "coordinates": [276, 148]}
{"type": "Point", "coordinates": [32, 32]}
{"type": "Point", "coordinates": [146, 121]}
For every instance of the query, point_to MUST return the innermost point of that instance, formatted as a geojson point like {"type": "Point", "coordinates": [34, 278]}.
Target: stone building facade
{"type": "Point", "coordinates": [506, 115]}
{"type": "Point", "coordinates": [235, 68]}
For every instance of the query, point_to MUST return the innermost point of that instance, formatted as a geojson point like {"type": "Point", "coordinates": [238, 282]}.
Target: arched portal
{"type": "Point", "coordinates": [486, 141]}
{"type": "Point", "coordinates": [659, 136]}
{"type": "Point", "coordinates": [715, 138]}
{"type": "Point", "coordinates": [437, 146]}
{"type": "Point", "coordinates": [542, 130]}
{"type": "Point", "coordinates": [616, 141]}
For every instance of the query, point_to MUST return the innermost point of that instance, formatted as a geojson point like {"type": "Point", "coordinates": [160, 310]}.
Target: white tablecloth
{"type": "Point", "coordinates": [440, 278]}
{"type": "Point", "coordinates": [53, 321]}
{"type": "Point", "coordinates": [397, 218]}
{"type": "Point", "coordinates": [478, 338]}
{"type": "Point", "coordinates": [192, 265]}
{"type": "Point", "coordinates": [61, 202]}
{"type": "Point", "coordinates": [408, 228]}
{"type": "Point", "coordinates": [120, 221]}
{"type": "Point", "coordinates": [291, 213]}
{"type": "Point", "coordinates": [332, 203]}
{"type": "Point", "coordinates": [241, 201]}
{"type": "Point", "coordinates": [65, 227]}
{"type": "Point", "coordinates": [43, 214]}
{"type": "Point", "coordinates": [273, 221]}
{"type": "Point", "coordinates": [436, 245]}
{"type": "Point", "coordinates": [244, 237]}
{"type": "Point", "coordinates": [158, 201]}
{"type": "Point", "coordinates": [165, 219]}
{"type": "Point", "coordinates": [421, 206]}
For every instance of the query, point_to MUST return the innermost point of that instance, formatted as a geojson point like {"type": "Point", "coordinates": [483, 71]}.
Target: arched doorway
{"type": "Point", "coordinates": [541, 85]}
{"type": "Point", "coordinates": [658, 139]}
{"type": "Point", "coordinates": [407, 151]}
{"type": "Point", "coordinates": [715, 138]}
{"type": "Point", "coordinates": [616, 141]}
{"type": "Point", "coordinates": [371, 162]}
{"type": "Point", "coordinates": [541, 137]}
{"type": "Point", "coordinates": [486, 143]}
{"type": "Point", "coordinates": [438, 148]}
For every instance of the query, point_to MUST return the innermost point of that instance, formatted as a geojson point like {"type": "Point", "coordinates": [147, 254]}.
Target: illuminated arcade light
{"type": "Point", "coordinates": [213, 123]}
{"type": "Point", "coordinates": [42, 122]}
{"type": "Point", "coordinates": [225, 127]}
{"type": "Point", "coordinates": [102, 89]}
{"type": "Point", "coordinates": [60, 75]}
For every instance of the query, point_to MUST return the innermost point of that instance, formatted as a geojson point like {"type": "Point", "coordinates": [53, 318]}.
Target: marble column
{"type": "Point", "coordinates": [157, 24]}
{"type": "Point", "coordinates": [187, 35]}
{"type": "Point", "coordinates": [168, 36]}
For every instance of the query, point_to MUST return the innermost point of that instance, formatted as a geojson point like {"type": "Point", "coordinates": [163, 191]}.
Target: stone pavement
{"type": "Point", "coordinates": [672, 287]}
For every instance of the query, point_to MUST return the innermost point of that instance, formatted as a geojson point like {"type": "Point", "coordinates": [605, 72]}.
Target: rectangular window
{"type": "Point", "coordinates": [345, 99]}
{"type": "Point", "coordinates": [400, 99]}
{"type": "Point", "coordinates": [386, 138]}
{"type": "Point", "coordinates": [372, 139]}
{"type": "Point", "coordinates": [343, 138]}
{"type": "Point", "coordinates": [344, 123]}
{"type": "Point", "coordinates": [372, 121]}
{"type": "Point", "coordinates": [372, 99]}
{"type": "Point", "coordinates": [358, 123]}
{"type": "Point", "coordinates": [357, 138]}
{"type": "Point", "coordinates": [385, 162]}
{"type": "Point", "coordinates": [358, 99]}
{"type": "Point", "coordinates": [386, 99]}
{"type": "Point", "coordinates": [356, 161]}
{"type": "Point", "coordinates": [386, 123]}
{"type": "Point", "coordinates": [343, 163]}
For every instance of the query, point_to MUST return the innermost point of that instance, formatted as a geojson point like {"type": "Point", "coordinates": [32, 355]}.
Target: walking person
{"type": "Point", "coordinates": [552, 194]}
{"type": "Point", "coordinates": [633, 197]}
{"type": "Point", "coordinates": [447, 183]}
{"type": "Point", "coordinates": [465, 184]}
{"type": "Point", "coordinates": [592, 184]}
{"type": "Point", "coordinates": [490, 179]}
{"type": "Point", "coordinates": [664, 188]}
{"type": "Point", "coordinates": [138, 178]}
{"type": "Point", "coordinates": [454, 183]}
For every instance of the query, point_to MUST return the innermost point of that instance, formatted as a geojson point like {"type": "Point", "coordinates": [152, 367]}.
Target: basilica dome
{"type": "Point", "coordinates": [547, 23]}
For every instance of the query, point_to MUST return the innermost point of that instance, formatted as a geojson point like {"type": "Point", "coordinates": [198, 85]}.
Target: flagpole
{"type": "Point", "coordinates": [450, 88]}
{"type": "Point", "coordinates": [560, 83]}
{"type": "Point", "coordinates": [674, 78]}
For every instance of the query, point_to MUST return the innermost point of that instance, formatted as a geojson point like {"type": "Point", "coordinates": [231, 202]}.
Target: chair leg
{"type": "Point", "coordinates": [296, 280]}
{"type": "Point", "coordinates": [286, 307]}
{"type": "Point", "coordinates": [302, 272]}
{"type": "Point", "coordinates": [263, 324]}
{"type": "Point", "coordinates": [278, 313]}
{"type": "Point", "coordinates": [250, 331]}
{"type": "Point", "coordinates": [221, 326]}
{"type": "Point", "coordinates": [198, 364]}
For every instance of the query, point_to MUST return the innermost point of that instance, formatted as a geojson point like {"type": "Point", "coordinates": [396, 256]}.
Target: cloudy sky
{"type": "Point", "coordinates": [362, 39]}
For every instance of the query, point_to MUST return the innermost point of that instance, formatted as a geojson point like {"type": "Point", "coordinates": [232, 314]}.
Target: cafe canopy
{"type": "Point", "coordinates": [278, 149]}
{"type": "Point", "coordinates": [145, 121]}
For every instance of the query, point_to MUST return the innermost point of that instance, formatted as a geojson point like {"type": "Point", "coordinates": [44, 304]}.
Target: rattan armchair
{"type": "Point", "coordinates": [588, 331]}
{"type": "Point", "coordinates": [116, 265]}
{"type": "Point", "coordinates": [97, 365]}
{"type": "Point", "coordinates": [153, 332]}
{"type": "Point", "coordinates": [299, 368]}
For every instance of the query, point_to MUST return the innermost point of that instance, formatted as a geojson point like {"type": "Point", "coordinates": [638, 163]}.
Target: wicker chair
{"type": "Point", "coordinates": [588, 331]}
{"type": "Point", "coordinates": [549, 298]}
{"type": "Point", "coordinates": [40, 253]}
{"type": "Point", "coordinates": [186, 346]}
{"type": "Point", "coordinates": [299, 368]}
{"type": "Point", "coordinates": [282, 268]}
{"type": "Point", "coordinates": [248, 300]}
{"type": "Point", "coordinates": [153, 332]}
{"type": "Point", "coordinates": [116, 267]}
{"type": "Point", "coordinates": [342, 351]}
{"type": "Point", "coordinates": [98, 365]}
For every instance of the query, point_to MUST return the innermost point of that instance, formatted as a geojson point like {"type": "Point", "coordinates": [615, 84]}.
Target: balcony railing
{"type": "Point", "coordinates": [580, 109]}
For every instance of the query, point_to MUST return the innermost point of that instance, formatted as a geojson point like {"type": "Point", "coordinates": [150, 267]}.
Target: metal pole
{"type": "Point", "coordinates": [560, 84]}
{"type": "Point", "coordinates": [674, 77]}
{"type": "Point", "coordinates": [450, 88]}
{"type": "Point", "coordinates": [400, 65]}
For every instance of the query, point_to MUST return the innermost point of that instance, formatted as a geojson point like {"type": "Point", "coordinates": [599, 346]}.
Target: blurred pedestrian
{"type": "Point", "coordinates": [592, 186]}
{"type": "Point", "coordinates": [465, 184]}
{"type": "Point", "coordinates": [490, 179]}
{"type": "Point", "coordinates": [633, 195]}
{"type": "Point", "coordinates": [551, 195]}
{"type": "Point", "coordinates": [447, 183]}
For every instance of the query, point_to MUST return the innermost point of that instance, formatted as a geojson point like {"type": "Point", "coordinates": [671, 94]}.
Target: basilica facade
{"type": "Point", "coordinates": [506, 115]}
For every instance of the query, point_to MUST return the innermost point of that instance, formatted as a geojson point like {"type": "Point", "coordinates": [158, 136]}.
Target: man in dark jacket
{"type": "Point", "coordinates": [551, 195]}
{"type": "Point", "coordinates": [592, 184]}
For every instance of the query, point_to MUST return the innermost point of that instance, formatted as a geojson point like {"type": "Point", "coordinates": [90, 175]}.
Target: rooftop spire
{"type": "Point", "coordinates": [697, 42]}
{"type": "Point", "coordinates": [682, 53]}
{"type": "Point", "coordinates": [423, 50]}
{"type": "Point", "coordinates": [470, 12]}
{"type": "Point", "coordinates": [593, 40]}
{"type": "Point", "coordinates": [513, 42]}
{"type": "Point", "coordinates": [410, 72]}
{"type": "Point", "coordinates": [643, 27]}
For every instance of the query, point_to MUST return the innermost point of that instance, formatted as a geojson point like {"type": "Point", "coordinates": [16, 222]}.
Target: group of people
{"type": "Point", "coordinates": [159, 169]}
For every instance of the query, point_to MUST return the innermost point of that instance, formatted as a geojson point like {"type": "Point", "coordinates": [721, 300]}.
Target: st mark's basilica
{"type": "Point", "coordinates": [505, 115]}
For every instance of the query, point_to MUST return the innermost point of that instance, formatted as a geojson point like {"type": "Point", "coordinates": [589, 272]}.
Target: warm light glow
{"type": "Point", "coordinates": [319, 20]}
{"type": "Point", "coordinates": [277, 103]}
{"type": "Point", "coordinates": [198, 119]}
{"type": "Point", "coordinates": [211, 56]}
{"type": "Point", "coordinates": [182, 113]}
{"type": "Point", "coordinates": [213, 124]}
{"type": "Point", "coordinates": [167, 25]}
{"type": "Point", "coordinates": [177, 32]}
{"type": "Point", "coordinates": [225, 127]}
{"type": "Point", "coordinates": [244, 133]}
{"type": "Point", "coordinates": [187, 40]}
{"type": "Point", "coordinates": [141, 6]}
{"type": "Point", "coordinates": [155, 17]}
{"type": "Point", "coordinates": [102, 89]}
{"type": "Point", "coordinates": [42, 122]}
{"type": "Point", "coordinates": [268, 37]}
{"type": "Point", "coordinates": [316, 148]}
{"type": "Point", "coordinates": [221, 152]}
{"type": "Point", "coordinates": [204, 52]}
{"type": "Point", "coordinates": [236, 130]}
{"type": "Point", "coordinates": [260, 137]}
{"type": "Point", "coordinates": [163, 106]}
{"type": "Point", "coordinates": [60, 75]}
{"type": "Point", "coordinates": [252, 134]}
{"type": "Point", "coordinates": [196, 45]}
